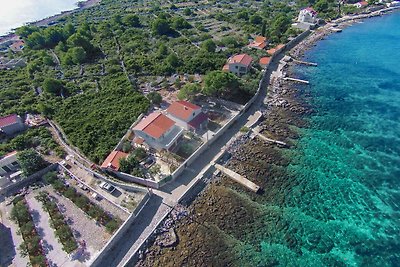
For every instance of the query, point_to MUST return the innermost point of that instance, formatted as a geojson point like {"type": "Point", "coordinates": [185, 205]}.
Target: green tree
{"type": "Point", "coordinates": [155, 98]}
{"type": "Point", "coordinates": [161, 27]}
{"type": "Point", "coordinates": [208, 45]}
{"type": "Point", "coordinates": [189, 90]}
{"type": "Point", "coordinates": [129, 164]}
{"type": "Point", "coordinates": [30, 161]}
{"type": "Point", "coordinates": [244, 15]}
{"type": "Point", "coordinates": [53, 86]}
{"type": "Point", "coordinates": [255, 19]}
{"type": "Point", "coordinates": [180, 23]}
{"type": "Point", "coordinates": [321, 6]}
{"type": "Point", "coordinates": [78, 55]}
{"type": "Point", "coordinates": [131, 20]}
{"type": "Point", "coordinates": [187, 12]}
{"type": "Point", "coordinates": [35, 40]}
{"type": "Point", "coordinates": [173, 60]}
{"type": "Point", "coordinates": [218, 83]}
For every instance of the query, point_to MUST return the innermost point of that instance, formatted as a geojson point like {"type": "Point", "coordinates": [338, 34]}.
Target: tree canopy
{"type": "Point", "coordinates": [218, 83]}
{"type": "Point", "coordinates": [30, 161]}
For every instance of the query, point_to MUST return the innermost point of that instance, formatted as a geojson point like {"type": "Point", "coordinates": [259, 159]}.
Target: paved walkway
{"type": "Point", "coordinates": [53, 249]}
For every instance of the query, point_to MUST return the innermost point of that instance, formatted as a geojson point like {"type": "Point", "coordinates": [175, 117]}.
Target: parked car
{"type": "Point", "coordinates": [107, 186]}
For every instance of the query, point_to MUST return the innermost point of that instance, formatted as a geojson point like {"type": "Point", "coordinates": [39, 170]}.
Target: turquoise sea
{"type": "Point", "coordinates": [345, 207]}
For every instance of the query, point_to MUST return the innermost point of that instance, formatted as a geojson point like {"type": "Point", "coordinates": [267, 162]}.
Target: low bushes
{"type": "Point", "coordinates": [92, 210]}
{"type": "Point", "coordinates": [31, 246]}
{"type": "Point", "coordinates": [61, 228]}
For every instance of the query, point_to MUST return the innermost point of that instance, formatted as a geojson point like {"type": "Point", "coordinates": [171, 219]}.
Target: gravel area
{"type": "Point", "coordinates": [84, 228]}
{"type": "Point", "coordinates": [103, 203]}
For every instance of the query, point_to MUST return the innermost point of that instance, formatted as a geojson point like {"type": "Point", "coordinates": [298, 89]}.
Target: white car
{"type": "Point", "coordinates": [106, 186]}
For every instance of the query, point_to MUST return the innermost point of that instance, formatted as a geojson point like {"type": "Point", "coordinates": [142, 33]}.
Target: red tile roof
{"type": "Point", "coordinates": [363, 3]}
{"type": "Point", "coordinates": [275, 49]}
{"type": "Point", "coordinates": [8, 120]}
{"type": "Point", "coordinates": [264, 60]}
{"type": "Point", "coordinates": [242, 59]}
{"type": "Point", "coordinates": [112, 161]}
{"type": "Point", "coordinates": [155, 125]}
{"type": "Point", "coordinates": [260, 42]}
{"type": "Point", "coordinates": [311, 10]}
{"type": "Point", "coordinates": [18, 45]}
{"type": "Point", "coordinates": [225, 67]}
{"type": "Point", "coordinates": [182, 109]}
{"type": "Point", "coordinates": [198, 120]}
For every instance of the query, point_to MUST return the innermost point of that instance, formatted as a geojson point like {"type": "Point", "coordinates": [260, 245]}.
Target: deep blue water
{"type": "Point", "coordinates": [348, 159]}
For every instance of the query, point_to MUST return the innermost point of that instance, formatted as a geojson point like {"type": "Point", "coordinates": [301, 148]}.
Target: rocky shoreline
{"type": "Point", "coordinates": [213, 230]}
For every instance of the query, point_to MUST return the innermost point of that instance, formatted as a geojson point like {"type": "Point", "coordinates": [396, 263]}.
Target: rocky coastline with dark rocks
{"type": "Point", "coordinates": [226, 223]}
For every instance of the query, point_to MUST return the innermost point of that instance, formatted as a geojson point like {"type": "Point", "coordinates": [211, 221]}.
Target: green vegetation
{"type": "Point", "coordinates": [31, 240]}
{"type": "Point", "coordinates": [81, 201]}
{"type": "Point", "coordinates": [85, 71]}
{"type": "Point", "coordinates": [155, 98]}
{"type": "Point", "coordinates": [61, 228]}
{"type": "Point", "coordinates": [189, 91]}
{"type": "Point", "coordinates": [38, 138]}
{"type": "Point", "coordinates": [30, 161]}
{"type": "Point", "coordinates": [130, 165]}
{"type": "Point", "coordinates": [219, 83]}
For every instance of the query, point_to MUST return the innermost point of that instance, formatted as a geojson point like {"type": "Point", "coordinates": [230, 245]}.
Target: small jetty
{"type": "Point", "coordinates": [305, 63]}
{"type": "Point", "coordinates": [296, 80]}
{"type": "Point", "coordinates": [335, 29]}
{"type": "Point", "coordinates": [239, 178]}
{"type": "Point", "coordinates": [257, 133]}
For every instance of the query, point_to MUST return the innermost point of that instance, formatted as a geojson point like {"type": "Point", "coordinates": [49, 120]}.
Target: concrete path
{"type": "Point", "coordinates": [53, 248]}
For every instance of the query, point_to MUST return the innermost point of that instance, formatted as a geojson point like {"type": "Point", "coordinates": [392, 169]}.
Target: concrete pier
{"type": "Point", "coordinates": [296, 80]}
{"type": "Point", "coordinates": [305, 63]}
{"type": "Point", "coordinates": [239, 178]}
{"type": "Point", "coordinates": [256, 131]}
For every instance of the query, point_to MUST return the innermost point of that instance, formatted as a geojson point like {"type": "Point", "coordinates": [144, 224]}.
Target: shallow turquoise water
{"type": "Point", "coordinates": [344, 211]}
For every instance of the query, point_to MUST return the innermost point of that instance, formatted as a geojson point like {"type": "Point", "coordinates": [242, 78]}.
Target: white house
{"type": "Point", "coordinates": [158, 131]}
{"type": "Point", "coordinates": [307, 15]}
{"type": "Point", "coordinates": [187, 115]}
{"type": "Point", "coordinates": [361, 4]}
{"type": "Point", "coordinates": [11, 124]}
{"type": "Point", "coordinates": [238, 64]}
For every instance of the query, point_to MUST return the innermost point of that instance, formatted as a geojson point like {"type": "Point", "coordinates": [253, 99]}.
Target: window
{"type": "Point", "coordinates": [6, 169]}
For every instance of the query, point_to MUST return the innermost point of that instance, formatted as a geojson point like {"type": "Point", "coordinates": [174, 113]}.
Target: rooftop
{"type": "Point", "coordinates": [112, 161]}
{"type": "Point", "coordinates": [264, 60]}
{"type": "Point", "coordinates": [8, 120]}
{"type": "Point", "coordinates": [155, 124]}
{"type": "Point", "coordinates": [182, 109]}
{"type": "Point", "coordinates": [242, 59]}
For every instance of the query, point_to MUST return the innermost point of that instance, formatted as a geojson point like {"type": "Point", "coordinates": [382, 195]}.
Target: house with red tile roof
{"type": "Point", "coordinates": [361, 4]}
{"type": "Point", "coordinates": [112, 160]}
{"type": "Point", "coordinates": [11, 124]}
{"type": "Point", "coordinates": [276, 49]}
{"type": "Point", "coordinates": [158, 131]}
{"type": "Point", "coordinates": [264, 61]}
{"type": "Point", "coordinates": [187, 115]}
{"type": "Point", "coordinates": [307, 15]}
{"type": "Point", "coordinates": [260, 42]}
{"type": "Point", "coordinates": [17, 46]}
{"type": "Point", "coordinates": [238, 64]}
